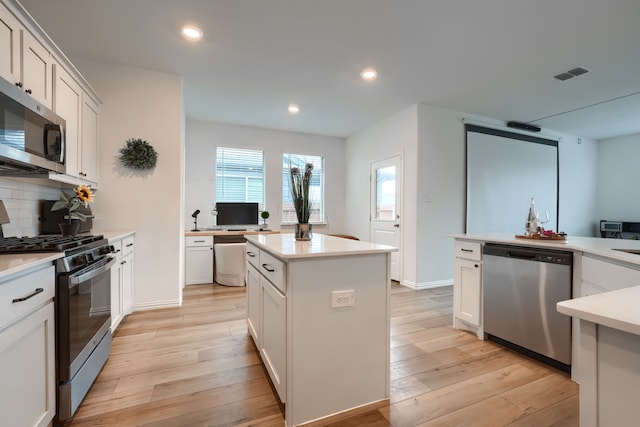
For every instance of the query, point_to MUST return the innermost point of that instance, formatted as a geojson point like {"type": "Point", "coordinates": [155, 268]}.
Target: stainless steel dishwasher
{"type": "Point", "coordinates": [521, 286]}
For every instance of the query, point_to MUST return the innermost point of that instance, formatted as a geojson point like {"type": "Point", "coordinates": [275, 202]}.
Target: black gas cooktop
{"type": "Point", "coordinates": [44, 243]}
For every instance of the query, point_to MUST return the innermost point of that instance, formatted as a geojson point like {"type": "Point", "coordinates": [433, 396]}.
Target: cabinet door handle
{"type": "Point", "coordinates": [466, 250]}
{"type": "Point", "coordinates": [198, 241]}
{"type": "Point", "coordinates": [19, 84]}
{"type": "Point", "coordinates": [36, 292]}
{"type": "Point", "coordinates": [123, 262]}
{"type": "Point", "coordinates": [476, 265]}
{"type": "Point", "coordinates": [251, 254]}
{"type": "Point", "coordinates": [28, 91]}
{"type": "Point", "coordinates": [131, 244]}
{"type": "Point", "coordinates": [268, 268]}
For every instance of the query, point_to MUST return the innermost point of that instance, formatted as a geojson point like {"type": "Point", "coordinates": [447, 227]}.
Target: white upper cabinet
{"type": "Point", "coordinates": [68, 104]}
{"type": "Point", "coordinates": [36, 70]}
{"type": "Point", "coordinates": [24, 61]}
{"type": "Point", "coordinates": [30, 60]}
{"type": "Point", "coordinates": [10, 30]}
{"type": "Point", "coordinates": [89, 144]}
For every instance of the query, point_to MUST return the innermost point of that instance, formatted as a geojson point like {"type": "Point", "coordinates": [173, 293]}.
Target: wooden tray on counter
{"type": "Point", "coordinates": [556, 238]}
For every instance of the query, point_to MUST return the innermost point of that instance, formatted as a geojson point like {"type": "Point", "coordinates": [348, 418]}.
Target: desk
{"type": "Point", "coordinates": [200, 259]}
{"type": "Point", "coordinates": [222, 234]}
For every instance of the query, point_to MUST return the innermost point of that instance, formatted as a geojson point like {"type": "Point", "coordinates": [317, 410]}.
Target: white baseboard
{"type": "Point", "coordinates": [427, 285]}
{"type": "Point", "coordinates": [156, 305]}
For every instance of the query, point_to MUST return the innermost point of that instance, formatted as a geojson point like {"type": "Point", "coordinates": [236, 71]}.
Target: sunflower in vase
{"type": "Point", "coordinates": [82, 196]}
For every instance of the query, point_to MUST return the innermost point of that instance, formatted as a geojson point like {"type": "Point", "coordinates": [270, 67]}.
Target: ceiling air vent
{"type": "Point", "coordinates": [575, 72]}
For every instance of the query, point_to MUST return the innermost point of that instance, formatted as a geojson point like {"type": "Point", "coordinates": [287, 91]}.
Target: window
{"type": "Point", "coordinates": [239, 175]}
{"type": "Point", "coordinates": [316, 188]}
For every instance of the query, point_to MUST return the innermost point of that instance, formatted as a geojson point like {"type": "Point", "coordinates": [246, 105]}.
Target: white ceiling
{"type": "Point", "coordinates": [494, 58]}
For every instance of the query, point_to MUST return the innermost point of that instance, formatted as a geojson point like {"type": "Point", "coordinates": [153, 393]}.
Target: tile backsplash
{"type": "Point", "coordinates": [21, 199]}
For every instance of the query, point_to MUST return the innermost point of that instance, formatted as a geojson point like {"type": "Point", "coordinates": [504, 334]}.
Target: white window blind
{"type": "Point", "coordinates": [239, 175]}
{"type": "Point", "coordinates": [316, 188]}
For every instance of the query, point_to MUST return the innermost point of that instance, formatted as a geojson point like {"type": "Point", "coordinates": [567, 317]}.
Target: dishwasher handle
{"type": "Point", "coordinates": [529, 256]}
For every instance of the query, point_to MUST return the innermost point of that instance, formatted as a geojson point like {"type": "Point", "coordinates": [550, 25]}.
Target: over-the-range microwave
{"type": "Point", "coordinates": [31, 135]}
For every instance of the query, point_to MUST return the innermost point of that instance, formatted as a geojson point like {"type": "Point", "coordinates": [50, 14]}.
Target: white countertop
{"type": "Point", "coordinates": [285, 246]}
{"type": "Point", "coordinates": [14, 263]}
{"type": "Point", "coordinates": [590, 245]}
{"type": "Point", "coordinates": [112, 235]}
{"type": "Point", "coordinates": [615, 309]}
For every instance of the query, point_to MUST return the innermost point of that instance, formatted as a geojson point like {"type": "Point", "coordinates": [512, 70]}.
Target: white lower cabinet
{"type": "Point", "coordinates": [127, 264]}
{"type": "Point", "coordinates": [199, 260]}
{"type": "Point", "coordinates": [274, 335]}
{"type": "Point", "coordinates": [122, 280]}
{"type": "Point", "coordinates": [117, 313]}
{"type": "Point", "coordinates": [253, 304]}
{"type": "Point", "coordinates": [467, 287]}
{"type": "Point", "coordinates": [27, 350]}
{"type": "Point", "coordinates": [267, 315]}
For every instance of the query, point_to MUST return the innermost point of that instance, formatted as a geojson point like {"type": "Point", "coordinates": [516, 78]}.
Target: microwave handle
{"type": "Point", "coordinates": [58, 156]}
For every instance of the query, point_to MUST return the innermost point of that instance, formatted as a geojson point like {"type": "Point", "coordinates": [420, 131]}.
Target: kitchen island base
{"type": "Point", "coordinates": [323, 331]}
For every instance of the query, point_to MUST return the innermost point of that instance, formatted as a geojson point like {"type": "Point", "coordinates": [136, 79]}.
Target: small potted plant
{"type": "Point", "coordinates": [265, 216]}
{"type": "Point", "coordinates": [82, 196]}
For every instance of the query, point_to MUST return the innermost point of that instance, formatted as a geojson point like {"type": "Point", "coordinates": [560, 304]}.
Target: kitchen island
{"type": "Point", "coordinates": [318, 312]}
{"type": "Point", "coordinates": [609, 349]}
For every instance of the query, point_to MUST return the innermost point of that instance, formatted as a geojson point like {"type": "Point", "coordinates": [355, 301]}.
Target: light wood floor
{"type": "Point", "coordinates": [196, 366]}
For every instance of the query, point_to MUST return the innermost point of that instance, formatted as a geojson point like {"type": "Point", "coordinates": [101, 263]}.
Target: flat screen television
{"type": "Point", "coordinates": [234, 214]}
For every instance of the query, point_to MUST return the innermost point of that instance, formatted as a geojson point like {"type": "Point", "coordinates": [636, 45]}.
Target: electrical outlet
{"type": "Point", "coordinates": [342, 298]}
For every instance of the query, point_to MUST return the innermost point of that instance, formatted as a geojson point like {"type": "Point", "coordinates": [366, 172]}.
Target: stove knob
{"type": "Point", "coordinates": [80, 260]}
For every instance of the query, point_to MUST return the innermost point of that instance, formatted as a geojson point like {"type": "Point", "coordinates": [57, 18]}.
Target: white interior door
{"type": "Point", "coordinates": [386, 198]}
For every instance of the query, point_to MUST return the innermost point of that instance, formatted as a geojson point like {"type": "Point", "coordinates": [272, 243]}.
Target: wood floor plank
{"type": "Point", "coordinates": [196, 365]}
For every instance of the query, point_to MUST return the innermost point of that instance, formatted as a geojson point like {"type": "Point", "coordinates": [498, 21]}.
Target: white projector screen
{"type": "Point", "coordinates": [504, 171]}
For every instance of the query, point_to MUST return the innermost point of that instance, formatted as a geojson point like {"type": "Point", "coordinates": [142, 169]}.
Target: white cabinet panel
{"type": "Point", "coordinates": [89, 141]}
{"type": "Point", "coordinates": [254, 311]}
{"type": "Point", "coordinates": [274, 335]}
{"type": "Point", "coordinates": [467, 296]}
{"type": "Point", "coordinates": [37, 71]}
{"type": "Point", "coordinates": [467, 287]}
{"type": "Point", "coordinates": [199, 260]}
{"type": "Point", "coordinates": [28, 372]}
{"type": "Point", "coordinates": [10, 54]}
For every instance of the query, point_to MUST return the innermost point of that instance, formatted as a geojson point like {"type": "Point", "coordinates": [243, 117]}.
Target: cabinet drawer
{"type": "Point", "coordinates": [468, 250]}
{"type": "Point", "coordinates": [273, 269]}
{"type": "Point", "coordinates": [607, 275]}
{"type": "Point", "coordinates": [253, 255]}
{"type": "Point", "coordinates": [24, 287]}
{"type": "Point", "coordinates": [127, 245]}
{"type": "Point", "coordinates": [199, 241]}
{"type": "Point", "coordinates": [117, 250]}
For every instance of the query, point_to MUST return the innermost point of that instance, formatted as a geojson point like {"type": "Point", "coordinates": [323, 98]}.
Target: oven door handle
{"type": "Point", "coordinates": [76, 280]}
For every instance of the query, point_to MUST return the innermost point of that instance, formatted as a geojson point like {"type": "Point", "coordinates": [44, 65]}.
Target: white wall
{"type": "Point", "coordinates": [618, 177]}
{"type": "Point", "coordinates": [578, 185]}
{"type": "Point", "coordinates": [433, 143]}
{"type": "Point", "coordinates": [142, 104]}
{"type": "Point", "coordinates": [397, 134]}
{"type": "Point", "coordinates": [202, 138]}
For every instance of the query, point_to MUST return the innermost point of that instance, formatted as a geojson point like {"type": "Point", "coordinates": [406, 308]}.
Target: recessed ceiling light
{"type": "Point", "coordinates": [293, 109]}
{"type": "Point", "coordinates": [191, 33]}
{"type": "Point", "coordinates": [369, 74]}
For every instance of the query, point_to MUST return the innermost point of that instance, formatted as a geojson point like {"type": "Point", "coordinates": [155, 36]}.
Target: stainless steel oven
{"type": "Point", "coordinates": [84, 337]}
{"type": "Point", "coordinates": [83, 315]}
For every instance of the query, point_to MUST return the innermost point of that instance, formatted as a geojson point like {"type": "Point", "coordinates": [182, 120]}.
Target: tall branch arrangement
{"type": "Point", "coordinates": [300, 191]}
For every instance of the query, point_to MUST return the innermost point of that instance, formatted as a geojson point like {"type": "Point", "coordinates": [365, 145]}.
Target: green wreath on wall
{"type": "Point", "coordinates": [138, 154]}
